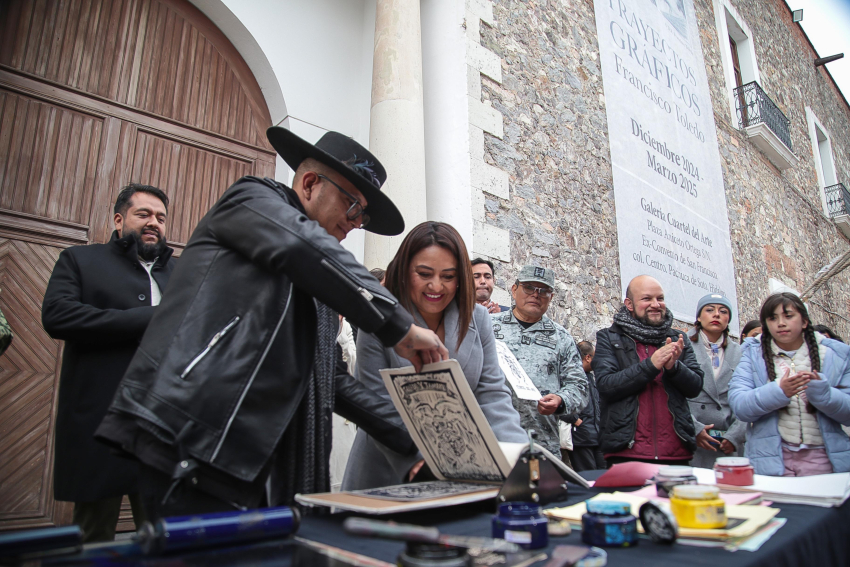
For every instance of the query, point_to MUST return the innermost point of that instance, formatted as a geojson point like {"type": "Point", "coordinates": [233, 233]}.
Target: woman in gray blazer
{"type": "Point", "coordinates": [718, 357]}
{"type": "Point", "coordinates": [432, 277]}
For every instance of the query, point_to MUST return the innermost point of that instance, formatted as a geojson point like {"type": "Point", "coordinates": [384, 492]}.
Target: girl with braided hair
{"type": "Point", "coordinates": [792, 385]}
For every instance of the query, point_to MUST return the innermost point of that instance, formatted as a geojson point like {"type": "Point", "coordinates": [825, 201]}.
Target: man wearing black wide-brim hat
{"type": "Point", "coordinates": [237, 375]}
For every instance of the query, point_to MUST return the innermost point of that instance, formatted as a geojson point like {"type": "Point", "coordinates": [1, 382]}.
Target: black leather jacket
{"type": "Point", "coordinates": [621, 376]}
{"type": "Point", "coordinates": [224, 361]}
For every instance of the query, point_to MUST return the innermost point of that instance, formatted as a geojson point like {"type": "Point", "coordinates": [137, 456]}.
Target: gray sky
{"type": "Point", "coordinates": [827, 23]}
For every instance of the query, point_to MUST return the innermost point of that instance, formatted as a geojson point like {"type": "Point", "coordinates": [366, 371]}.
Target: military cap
{"type": "Point", "coordinates": [531, 273]}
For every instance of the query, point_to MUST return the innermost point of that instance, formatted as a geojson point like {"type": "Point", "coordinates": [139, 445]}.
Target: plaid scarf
{"type": "Point", "coordinates": [640, 331]}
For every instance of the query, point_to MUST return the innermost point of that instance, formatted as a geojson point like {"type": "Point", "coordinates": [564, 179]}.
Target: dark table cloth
{"type": "Point", "coordinates": [812, 536]}
{"type": "Point", "coordinates": [818, 537]}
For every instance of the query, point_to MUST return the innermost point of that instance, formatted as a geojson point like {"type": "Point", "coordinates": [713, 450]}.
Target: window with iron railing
{"type": "Point", "coordinates": [755, 107]}
{"type": "Point", "coordinates": [837, 200]}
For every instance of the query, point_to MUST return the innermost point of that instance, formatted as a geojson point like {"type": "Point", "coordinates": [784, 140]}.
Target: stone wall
{"type": "Point", "coordinates": [560, 209]}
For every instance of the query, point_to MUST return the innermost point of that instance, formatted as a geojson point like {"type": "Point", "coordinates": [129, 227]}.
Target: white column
{"type": "Point", "coordinates": [446, 95]}
{"type": "Point", "coordinates": [397, 132]}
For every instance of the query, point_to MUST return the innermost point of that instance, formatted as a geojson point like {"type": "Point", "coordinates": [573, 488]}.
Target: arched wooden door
{"type": "Point", "coordinates": [95, 94]}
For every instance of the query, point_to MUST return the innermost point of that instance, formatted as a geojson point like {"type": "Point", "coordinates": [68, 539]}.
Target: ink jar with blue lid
{"type": "Point", "coordinates": [521, 523]}
{"type": "Point", "coordinates": [609, 523]}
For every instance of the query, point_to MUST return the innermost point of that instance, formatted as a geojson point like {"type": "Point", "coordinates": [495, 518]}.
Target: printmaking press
{"type": "Point", "coordinates": [470, 464]}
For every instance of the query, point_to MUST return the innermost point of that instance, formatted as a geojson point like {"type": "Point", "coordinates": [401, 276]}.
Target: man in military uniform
{"type": "Point", "coordinates": [546, 352]}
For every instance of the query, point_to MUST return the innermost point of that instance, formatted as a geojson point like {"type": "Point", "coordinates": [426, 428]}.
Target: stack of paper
{"type": "Point", "coordinates": [751, 543]}
{"type": "Point", "coordinates": [402, 497]}
{"type": "Point", "coordinates": [823, 490]}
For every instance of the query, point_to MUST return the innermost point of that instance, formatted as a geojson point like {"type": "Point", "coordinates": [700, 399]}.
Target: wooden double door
{"type": "Point", "coordinates": [95, 94]}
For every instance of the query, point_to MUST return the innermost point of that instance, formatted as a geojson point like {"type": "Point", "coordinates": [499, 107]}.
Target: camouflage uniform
{"type": "Point", "coordinates": [549, 356]}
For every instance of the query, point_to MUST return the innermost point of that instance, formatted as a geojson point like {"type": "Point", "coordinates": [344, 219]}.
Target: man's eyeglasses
{"type": "Point", "coordinates": [530, 289]}
{"type": "Point", "coordinates": [356, 209]}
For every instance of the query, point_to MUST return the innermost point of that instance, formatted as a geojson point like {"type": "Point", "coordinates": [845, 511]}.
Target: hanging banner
{"type": "Point", "coordinates": [672, 222]}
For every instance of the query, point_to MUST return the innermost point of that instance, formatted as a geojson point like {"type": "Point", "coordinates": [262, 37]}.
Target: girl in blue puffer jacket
{"type": "Point", "coordinates": [792, 385]}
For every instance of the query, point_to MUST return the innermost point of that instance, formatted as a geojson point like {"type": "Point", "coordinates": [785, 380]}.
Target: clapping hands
{"type": "Point", "coordinates": [666, 356]}
{"type": "Point", "coordinates": [796, 384]}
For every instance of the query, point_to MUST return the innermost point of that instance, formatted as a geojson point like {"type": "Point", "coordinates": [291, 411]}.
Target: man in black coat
{"type": "Point", "coordinates": [100, 300]}
{"type": "Point", "coordinates": [235, 381]}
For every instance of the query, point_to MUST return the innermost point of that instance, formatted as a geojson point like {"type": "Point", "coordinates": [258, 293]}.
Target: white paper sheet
{"type": "Point", "coordinates": [818, 490]}
{"type": "Point", "coordinates": [518, 379]}
{"type": "Point", "coordinates": [833, 486]}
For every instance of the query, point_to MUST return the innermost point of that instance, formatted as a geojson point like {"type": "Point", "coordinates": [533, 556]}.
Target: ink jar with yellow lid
{"type": "Point", "coordinates": [698, 506]}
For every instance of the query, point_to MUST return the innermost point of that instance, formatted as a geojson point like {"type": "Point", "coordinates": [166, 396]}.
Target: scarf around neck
{"type": "Point", "coordinates": [303, 454]}
{"type": "Point", "coordinates": [715, 352]}
{"type": "Point", "coordinates": [641, 332]}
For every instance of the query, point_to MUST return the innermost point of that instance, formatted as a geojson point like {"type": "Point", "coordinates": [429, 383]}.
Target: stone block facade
{"type": "Point", "coordinates": [559, 210]}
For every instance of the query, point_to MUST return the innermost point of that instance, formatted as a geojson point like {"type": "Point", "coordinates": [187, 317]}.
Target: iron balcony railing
{"type": "Point", "coordinates": [837, 200]}
{"type": "Point", "coordinates": [755, 107]}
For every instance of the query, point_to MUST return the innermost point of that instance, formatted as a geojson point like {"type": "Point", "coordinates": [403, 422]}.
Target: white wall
{"type": "Point", "coordinates": [321, 54]}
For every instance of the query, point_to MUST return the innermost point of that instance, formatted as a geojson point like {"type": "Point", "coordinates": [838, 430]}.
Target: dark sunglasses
{"type": "Point", "coordinates": [356, 209]}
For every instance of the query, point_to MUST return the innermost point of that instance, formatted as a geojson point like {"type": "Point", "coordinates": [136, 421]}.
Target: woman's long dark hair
{"type": "Point", "coordinates": [826, 331]}
{"type": "Point", "coordinates": [754, 324]}
{"type": "Point", "coordinates": [434, 234]}
{"type": "Point", "coordinates": [769, 306]}
{"type": "Point", "coordinates": [698, 326]}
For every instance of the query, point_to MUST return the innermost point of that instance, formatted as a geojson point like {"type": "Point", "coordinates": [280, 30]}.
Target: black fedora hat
{"type": "Point", "coordinates": [352, 161]}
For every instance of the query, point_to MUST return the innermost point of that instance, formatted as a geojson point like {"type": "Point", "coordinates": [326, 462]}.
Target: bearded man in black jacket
{"type": "Point", "coordinates": [100, 300]}
{"type": "Point", "coordinates": [645, 372]}
{"type": "Point", "coordinates": [235, 382]}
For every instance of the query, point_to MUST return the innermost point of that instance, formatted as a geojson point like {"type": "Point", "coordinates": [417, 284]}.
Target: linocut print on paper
{"type": "Point", "coordinates": [446, 422]}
